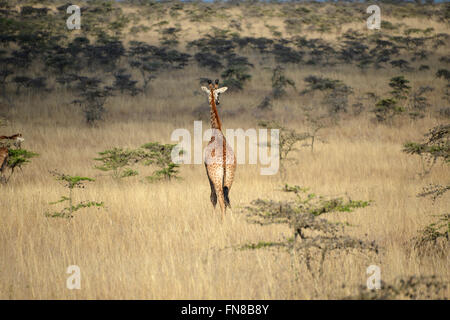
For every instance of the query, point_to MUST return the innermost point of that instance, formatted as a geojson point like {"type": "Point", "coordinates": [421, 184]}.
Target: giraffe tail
{"type": "Point", "coordinates": [225, 196]}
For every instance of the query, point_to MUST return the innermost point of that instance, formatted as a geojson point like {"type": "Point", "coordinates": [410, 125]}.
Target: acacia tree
{"type": "Point", "coordinates": [140, 55]}
{"type": "Point", "coordinates": [400, 87]}
{"type": "Point", "coordinates": [435, 147]}
{"type": "Point", "coordinates": [312, 238]}
{"type": "Point", "coordinates": [280, 82]}
{"type": "Point", "coordinates": [71, 182]}
{"type": "Point", "coordinates": [336, 93]}
{"type": "Point", "coordinates": [17, 159]}
{"type": "Point", "coordinates": [288, 140]}
{"type": "Point", "coordinates": [120, 161]}
{"type": "Point", "coordinates": [435, 237]}
{"type": "Point", "coordinates": [236, 73]}
{"type": "Point", "coordinates": [124, 83]}
{"type": "Point", "coordinates": [387, 108]}
{"type": "Point", "coordinates": [92, 98]}
{"type": "Point", "coordinates": [6, 70]}
{"type": "Point", "coordinates": [160, 155]}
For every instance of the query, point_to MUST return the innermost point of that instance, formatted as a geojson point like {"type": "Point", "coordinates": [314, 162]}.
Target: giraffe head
{"type": "Point", "coordinates": [17, 139]}
{"type": "Point", "coordinates": [214, 91]}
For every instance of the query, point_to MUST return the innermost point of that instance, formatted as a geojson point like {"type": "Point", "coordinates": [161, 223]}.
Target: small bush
{"type": "Point", "coordinates": [436, 147]}
{"type": "Point", "coordinates": [310, 234]}
{"type": "Point", "coordinates": [280, 82]}
{"type": "Point", "coordinates": [92, 98]}
{"type": "Point", "coordinates": [434, 238]}
{"type": "Point", "coordinates": [236, 73]}
{"type": "Point", "coordinates": [400, 87]}
{"type": "Point", "coordinates": [412, 287]}
{"type": "Point", "coordinates": [17, 159]}
{"type": "Point", "coordinates": [387, 109]}
{"type": "Point", "coordinates": [287, 140]}
{"type": "Point", "coordinates": [71, 182]}
{"type": "Point", "coordinates": [160, 155]}
{"type": "Point", "coordinates": [117, 160]}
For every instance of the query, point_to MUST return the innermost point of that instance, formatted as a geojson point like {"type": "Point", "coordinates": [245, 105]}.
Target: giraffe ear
{"type": "Point", "coordinates": [206, 89]}
{"type": "Point", "coordinates": [222, 90]}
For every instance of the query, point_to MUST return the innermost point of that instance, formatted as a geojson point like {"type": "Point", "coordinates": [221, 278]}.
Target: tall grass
{"type": "Point", "coordinates": [163, 240]}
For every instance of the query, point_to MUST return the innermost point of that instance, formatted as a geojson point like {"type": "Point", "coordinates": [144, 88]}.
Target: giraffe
{"type": "Point", "coordinates": [3, 158]}
{"type": "Point", "coordinates": [4, 151]}
{"type": "Point", "coordinates": [16, 137]}
{"type": "Point", "coordinates": [220, 161]}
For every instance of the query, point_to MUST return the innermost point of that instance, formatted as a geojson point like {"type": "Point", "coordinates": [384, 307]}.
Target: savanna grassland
{"type": "Point", "coordinates": [132, 75]}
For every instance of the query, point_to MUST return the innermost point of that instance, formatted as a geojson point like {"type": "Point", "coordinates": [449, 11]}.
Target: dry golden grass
{"type": "Point", "coordinates": [164, 241]}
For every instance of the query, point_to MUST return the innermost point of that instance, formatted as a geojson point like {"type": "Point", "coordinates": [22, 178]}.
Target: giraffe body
{"type": "Point", "coordinates": [4, 152]}
{"type": "Point", "coordinates": [220, 163]}
{"type": "Point", "coordinates": [3, 158]}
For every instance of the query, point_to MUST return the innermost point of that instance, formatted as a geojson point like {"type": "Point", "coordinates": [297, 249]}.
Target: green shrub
{"type": "Point", "coordinates": [280, 82]}
{"type": "Point", "coordinates": [387, 109]}
{"type": "Point", "coordinates": [288, 139]}
{"type": "Point", "coordinates": [400, 87]}
{"type": "Point", "coordinates": [434, 238]}
{"type": "Point", "coordinates": [71, 182]}
{"type": "Point", "coordinates": [117, 160]}
{"type": "Point", "coordinates": [411, 287]}
{"type": "Point", "coordinates": [17, 159]}
{"type": "Point", "coordinates": [161, 156]}
{"type": "Point", "coordinates": [435, 147]}
{"type": "Point", "coordinates": [313, 238]}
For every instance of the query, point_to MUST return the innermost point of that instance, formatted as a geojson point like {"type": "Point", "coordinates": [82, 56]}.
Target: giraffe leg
{"type": "Point", "coordinates": [215, 173]}
{"type": "Point", "coordinates": [227, 199]}
{"type": "Point", "coordinates": [228, 181]}
{"type": "Point", "coordinates": [213, 196]}
{"type": "Point", "coordinates": [221, 200]}
{"type": "Point", "coordinates": [226, 191]}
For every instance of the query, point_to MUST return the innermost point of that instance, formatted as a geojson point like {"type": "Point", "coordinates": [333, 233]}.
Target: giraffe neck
{"type": "Point", "coordinates": [216, 124]}
{"type": "Point", "coordinates": [215, 120]}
